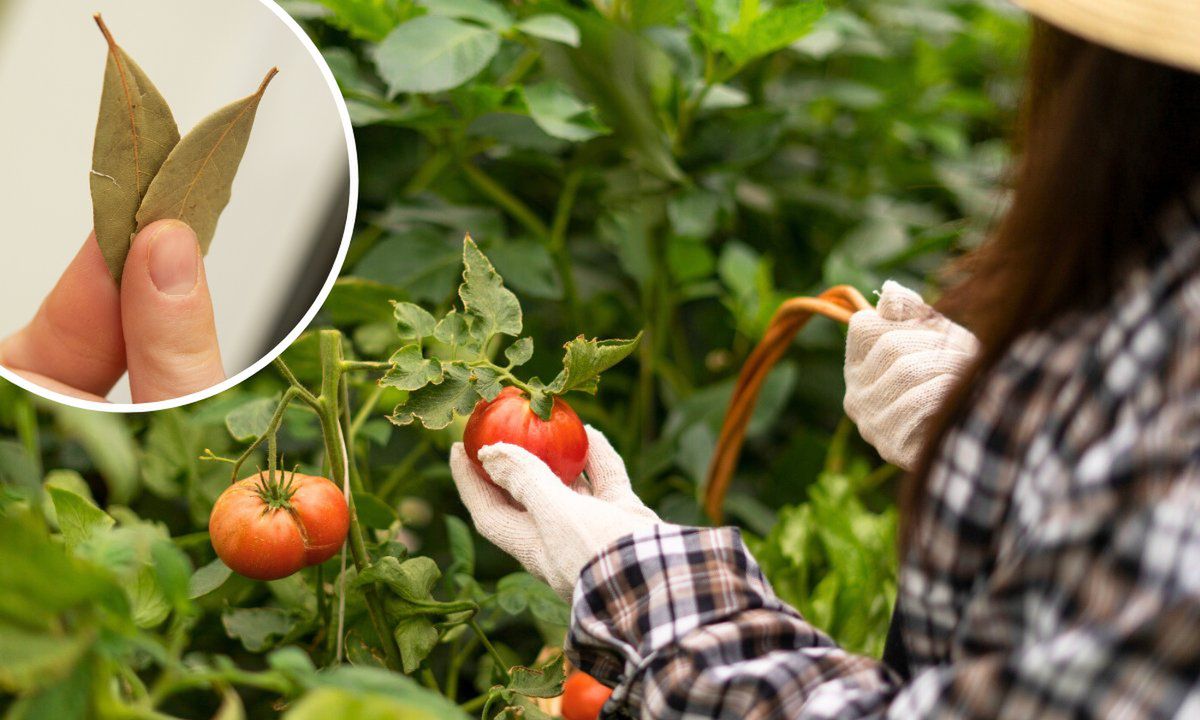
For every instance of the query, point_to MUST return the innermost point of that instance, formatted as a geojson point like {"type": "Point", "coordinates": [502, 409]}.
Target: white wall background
{"type": "Point", "coordinates": [201, 56]}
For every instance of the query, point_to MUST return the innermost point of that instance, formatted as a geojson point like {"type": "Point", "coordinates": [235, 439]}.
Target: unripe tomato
{"type": "Point", "coordinates": [583, 696]}
{"type": "Point", "coordinates": [268, 531]}
{"type": "Point", "coordinates": [560, 442]}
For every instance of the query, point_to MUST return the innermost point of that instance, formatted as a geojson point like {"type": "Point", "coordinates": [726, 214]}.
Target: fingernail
{"type": "Point", "coordinates": [174, 259]}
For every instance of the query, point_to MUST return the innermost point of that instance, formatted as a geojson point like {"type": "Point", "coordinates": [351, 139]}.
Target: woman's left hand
{"type": "Point", "coordinates": [553, 530]}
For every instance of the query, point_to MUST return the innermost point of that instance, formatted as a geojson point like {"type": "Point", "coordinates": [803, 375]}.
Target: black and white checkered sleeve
{"type": "Point", "coordinates": [683, 623]}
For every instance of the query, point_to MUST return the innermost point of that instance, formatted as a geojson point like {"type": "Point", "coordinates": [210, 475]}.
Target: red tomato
{"type": "Point", "coordinates": [583, 696]}
{"type": "Point", "coordinates": [269, 533]}
{"type": "Point", "coordinates": [560, 442]}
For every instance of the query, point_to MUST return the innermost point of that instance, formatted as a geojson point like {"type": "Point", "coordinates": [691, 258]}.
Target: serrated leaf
{"type": "Point", "coordinates": [551, 26]}
{"type": "Point", "coordinates": [195, 181]}
{"type": "Point", "coordinates": [257, 627]}
{"type": "Point", "coordinates": [135, 132]}
{"type": "Point", "coordinates": [411, 580]}
{"type": "Point", "coordinates": [249, 420]}
{"type": "Point", "coordinates": [519, 352]}
{"type": "Point", "coordinates": [560, 114]}
{"type": "Point", "coordinates": [416, 636]}
{"type": "Point", "coordinates": [493, 307]}
{"type": "Point", "coordinates": [413, 321]}
{"type": "Point", "coordinates": [543, 680]}
{"type": "Point", "coordinates": [435, 405]}
{"type": "Point", "coordinates": [586, 359]}
{"type": "Point", "coordinates": [454, 329]}
{"type": "Point", "coordinates": [78, 518]}
{"type": "Point", "coordinates": [431, 53]}
{"type": "Point", "coordinates": [484, 11]}
{"type": "Point", "coordinates": [411, 370]}
{"type": "Point", "coordinates": [487, 382]}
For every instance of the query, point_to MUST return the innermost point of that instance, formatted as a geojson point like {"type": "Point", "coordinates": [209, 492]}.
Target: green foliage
{"type": "Point", "coordinates": [661, 167]}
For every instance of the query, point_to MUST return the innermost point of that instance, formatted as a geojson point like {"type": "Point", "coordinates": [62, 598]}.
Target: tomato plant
{"type": "Point", "coordinates": [560, 442]}
{"type": "Point", "coordinates": [267, 527]}
{"type": "Point", "coordinates": [642, 165]}
{"type": "Point", "coordinates": [583, 697]}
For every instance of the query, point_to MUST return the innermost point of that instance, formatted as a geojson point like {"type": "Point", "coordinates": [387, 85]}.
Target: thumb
{"type": "Point", "coordinates": [525, 477]}
{"type": "Point", "coordinates": [166, 312]}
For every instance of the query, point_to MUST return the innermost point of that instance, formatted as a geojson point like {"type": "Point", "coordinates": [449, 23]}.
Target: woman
{"type": "Point", "coordinates": [1051, 561]}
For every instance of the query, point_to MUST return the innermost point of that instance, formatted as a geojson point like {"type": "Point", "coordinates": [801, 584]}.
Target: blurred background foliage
{"type": "Point", "coordinates": [677, 166]}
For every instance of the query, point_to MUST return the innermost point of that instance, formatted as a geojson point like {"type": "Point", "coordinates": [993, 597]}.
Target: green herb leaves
{"type": "Point", "coordinates": [194, 183]}
{"type": "Point", "coordinates": [446, 363]}
{"type": "Point", "coordinates": [134, 134]}
{"type": "Point", "coordinates": [142, 171]}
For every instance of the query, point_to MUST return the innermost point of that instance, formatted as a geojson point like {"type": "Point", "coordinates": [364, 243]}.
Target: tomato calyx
{"type": "Point", "coordinates": [276, 494]}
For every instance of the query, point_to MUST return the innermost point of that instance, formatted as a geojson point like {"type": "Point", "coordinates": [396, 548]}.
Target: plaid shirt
{"type": "Point", "coordinates": [1055, 571]}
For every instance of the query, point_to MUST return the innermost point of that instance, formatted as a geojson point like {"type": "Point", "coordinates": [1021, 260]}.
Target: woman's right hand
{"type": "Point", "coordinates": [902, 360]}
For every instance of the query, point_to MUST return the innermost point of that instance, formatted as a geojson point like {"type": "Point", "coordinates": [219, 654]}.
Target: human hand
{"type": "Point", "coordinates": [902, 360]}
{"type": "Point", "coordinates": [158, 324]}
{"type": "Point", "coordinates": [551, 529]}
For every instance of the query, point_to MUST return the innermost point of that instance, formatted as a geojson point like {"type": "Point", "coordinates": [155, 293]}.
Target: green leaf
{"type": "Point", "coordinates": [169, 451]}
{"type": "Point", "coordinates": [257, 627]}
{"type": "Point", "coordinates": [454, 329]}
{"type": "Point", "coordinates": [328, 702]}
{"type": "Point", "coordinates": [134, 134]}
{"type": "Point", "coordinates": [770, 31]}
{"type": "Point", "coordinates": [77, 517]}
{"type": "Point", "coordinates": [431, 54]}
{"type": "Point", "coordinates": [528, 267]}
{"type": "Point", "coordinates": [551, 26]}
{"type": "Point", "coordinates": [559, 113]}
{"type": "Point", "coordinates": [416, 637]}
{"type": "Point", "coordinates": [487, 382]}
{"type": "Point", "coordinates": [521, 591]}
{"type": "Point", "coordinates": [373, 512]}
{"type": "Point", "coordinates": [484, 11]}
{"type": "Point", "coordinates": [251, 419]}
{"type": "Point", "coordinates": [106, 438]}
{"type": "Point", "coordinates": [19, 471]}
{"type": "Point", "coordinates": [542, 681]}
{"type": "Point", "coordinates": [367, 19]}
{"type": "Point", "coordinates": [413, 321]}
{"type": "Point", "coordinates": [356, 300]}
{"type": "Point", "coordinates": [33, 660]}
{"type": "Point", "coordinates": [462, 546]}
{"type": "Point", "coordinates": [435, 405]}
{"type": "Point", "coordinates": [195, 181]}
{"type": "Point", "coordinates": [68, 698]}
{"type": "Point", "coordinates": [423, 262]}
{"type": "Point", "coordinates": [411, 580]}
{"type": "Point", "coordinates": [586, 359]}
{"type": "Point", "coordinates": [208, 578]}
{"type": "Point", "coordinates": [32, 568]}
{"type": "Point", "coordinates": [411, 370]}
{"type": "Point", "coordinates": [495, 308]}
{"type": "Point", "coordinates": [519, 352]}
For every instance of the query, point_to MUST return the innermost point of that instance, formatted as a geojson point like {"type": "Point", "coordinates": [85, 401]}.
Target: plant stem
{"type": "Point", "coordinates": [487, 644]}
{"type": "Point", "coordinates": [475, 703]}
{"type": "Point", "coordinates": [330, 344]}
{"type": "Point", "coordinates": [272, 427]}
{"type": "Point", "coordinates": [511, 203]}
{"type": "Point", "coordinates": [557, 244]}
{"type": "Point", "coordinates": [407, 463]}
{"type": "Point", "coordinates": [365, 365]}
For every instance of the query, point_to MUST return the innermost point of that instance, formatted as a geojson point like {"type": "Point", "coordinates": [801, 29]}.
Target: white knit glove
{"type": "Point", "coordinates": [902, 359]}
{"type": "Point", "coordinates": [560, 528]}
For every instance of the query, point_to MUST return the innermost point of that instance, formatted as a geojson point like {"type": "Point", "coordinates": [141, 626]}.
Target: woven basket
{"type": "Point", "coordinates": [837, 303]}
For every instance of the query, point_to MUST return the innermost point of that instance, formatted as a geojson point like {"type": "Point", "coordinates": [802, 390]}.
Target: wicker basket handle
{"type": "Point", "coordinates": [837, 303]}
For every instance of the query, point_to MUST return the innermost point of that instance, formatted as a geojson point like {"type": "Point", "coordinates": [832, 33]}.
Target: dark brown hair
{"type": "Point", "coordinates": [1106, 141]}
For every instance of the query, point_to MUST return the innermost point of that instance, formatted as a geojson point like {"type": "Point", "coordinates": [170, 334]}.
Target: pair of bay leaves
{"type": "Point", "coordinates": [142, 171]}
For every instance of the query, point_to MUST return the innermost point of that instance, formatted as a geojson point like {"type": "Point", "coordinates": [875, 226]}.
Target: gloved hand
{"type": "Point", "coordinates": [560, 528]}
{"type": "Point", "coordinates": [902, 360]}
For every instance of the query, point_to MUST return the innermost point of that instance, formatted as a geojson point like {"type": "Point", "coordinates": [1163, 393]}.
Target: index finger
{"type": "Point", "coordinates": [75, 337]}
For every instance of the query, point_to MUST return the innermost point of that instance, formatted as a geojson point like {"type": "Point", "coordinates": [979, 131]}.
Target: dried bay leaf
{"type": "Point", "coordinates": [135, 132]}
{"type": "Point", "coordinates": [195, 182]}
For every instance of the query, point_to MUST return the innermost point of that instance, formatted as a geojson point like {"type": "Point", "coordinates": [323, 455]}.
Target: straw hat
{"type": "Point", "coordinates": [1166, 31]}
